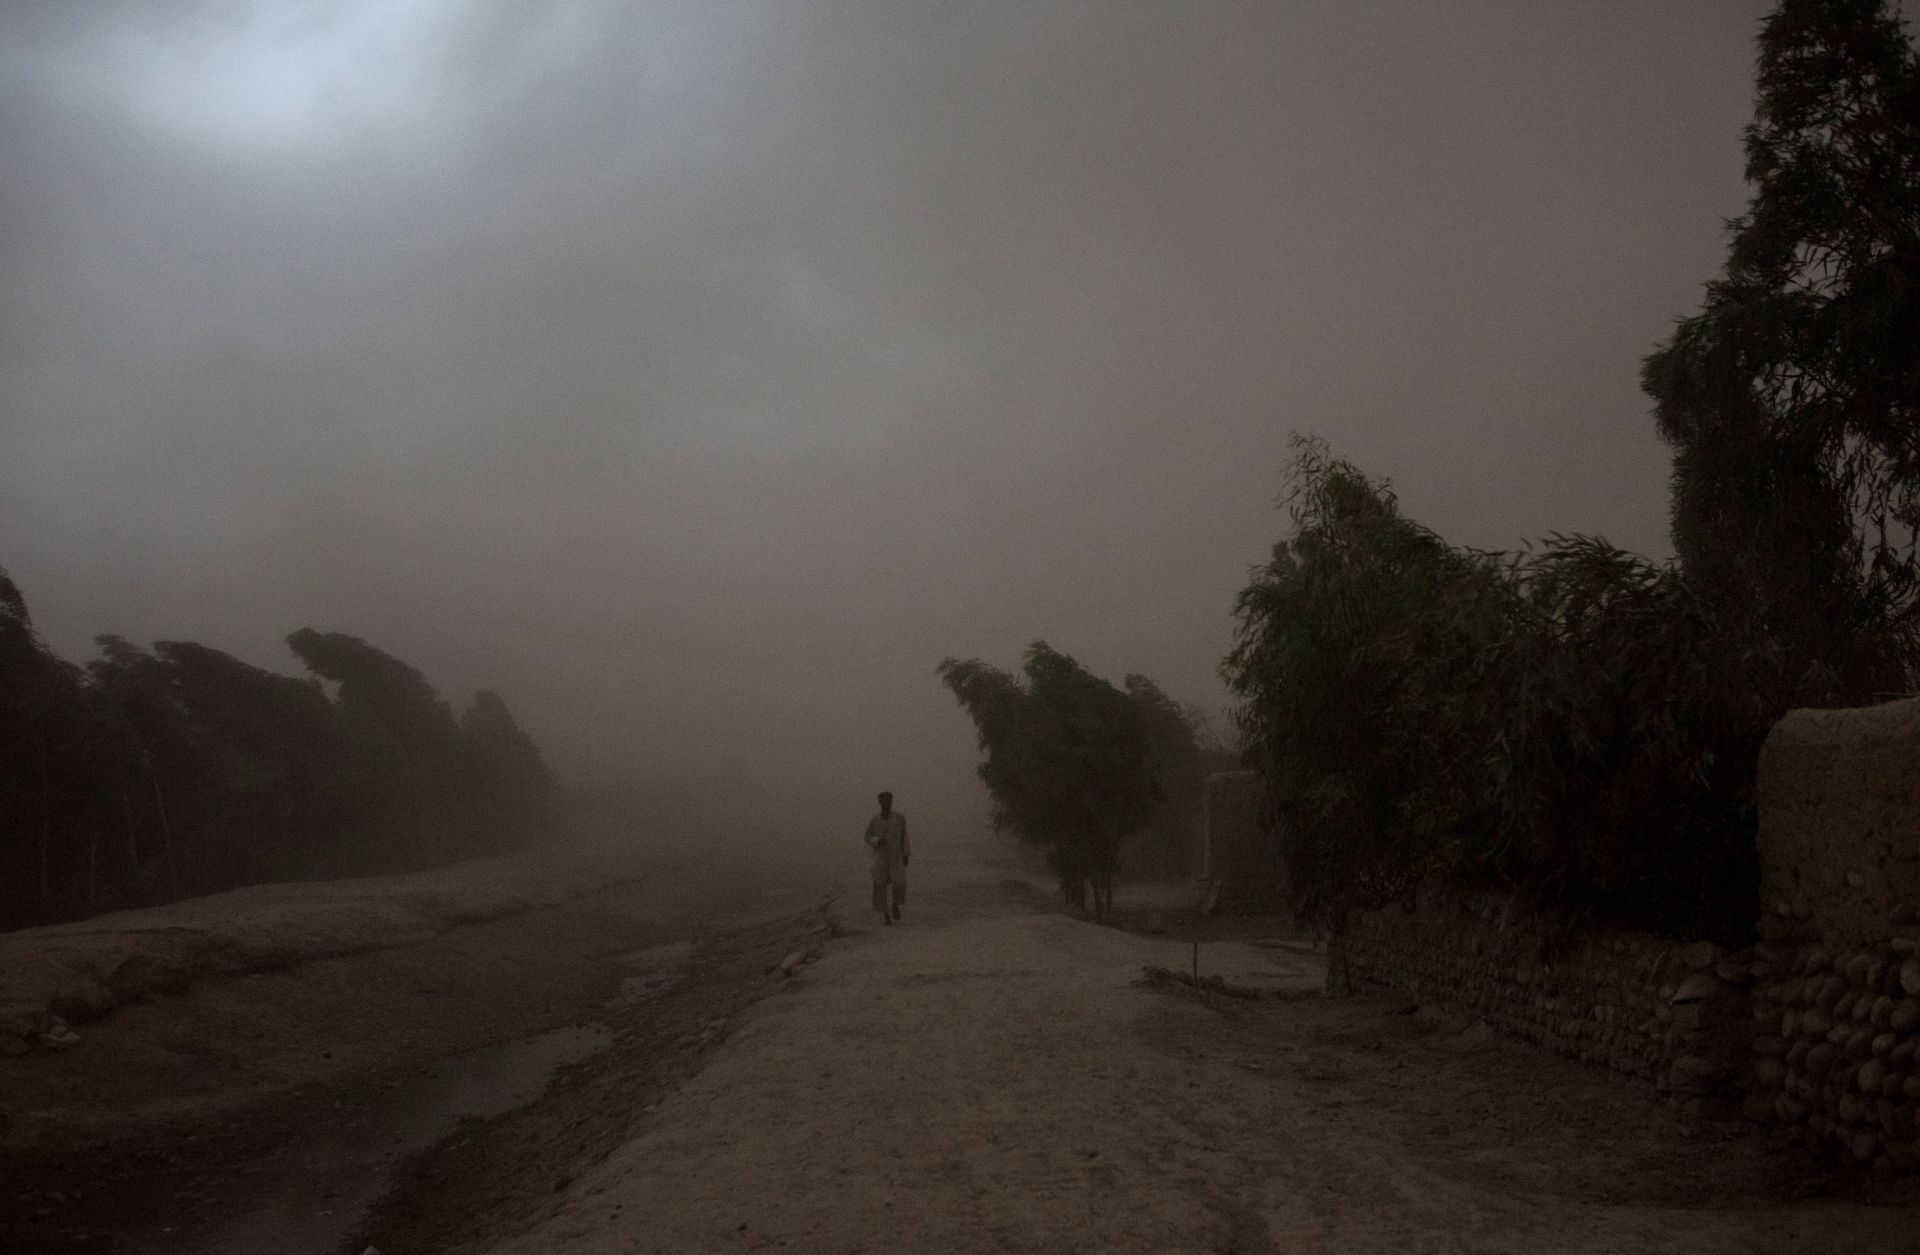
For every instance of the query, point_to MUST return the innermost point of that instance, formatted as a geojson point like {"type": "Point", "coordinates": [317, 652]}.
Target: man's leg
{"type": "Point", "coordinates": [897, 895]}
{"type": "Point", "coordinates": [881, 901]}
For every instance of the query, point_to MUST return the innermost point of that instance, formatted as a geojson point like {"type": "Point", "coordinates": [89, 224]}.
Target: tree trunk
{"type": "Point", "coordinates": [166, 828]}
{"type": "Point", "coordinates": [46, 826]}
{"type": "Point", "coordinates": [133, 849]}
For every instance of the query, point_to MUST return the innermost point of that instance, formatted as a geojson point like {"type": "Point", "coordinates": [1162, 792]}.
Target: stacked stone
{"type": "Point", "coordinates": [1834, 1050]}
{"type": "Point", "coordinates": [1610, 997]}
{"type": "Point", "coordinates": [1708, 1032]}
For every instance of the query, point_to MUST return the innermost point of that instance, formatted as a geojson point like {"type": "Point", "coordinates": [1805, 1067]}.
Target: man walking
{"type": "Point", "coordinates": [887, 838]}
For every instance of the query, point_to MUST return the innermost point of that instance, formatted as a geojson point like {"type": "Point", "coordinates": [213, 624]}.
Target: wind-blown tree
{"type": "Point", "coordinates": [1792, 398]}
{"type": "Point", "coordinates": [156, 773]}
{"type": "Point", "coordinates": [1068, 761]}
{"type": "Point", "coordinates": [404, 762]}
{"type": "Point", "coordinates": [272, 756]}
{"type": "Point", "coordinates": [159, 767]}
{"type": "Point", "coordinates": [44, 724]}
{"type": "Point", "coordinates": [1170, 835]}
{"type": "Point", "coordinates": [1346, 642]}
{"type": "Point", "coordinates": [512, 785]}
{"type": "Point", "coordinates": [1570, 722]}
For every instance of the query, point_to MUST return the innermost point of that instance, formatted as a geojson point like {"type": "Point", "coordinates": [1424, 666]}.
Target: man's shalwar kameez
{"type": "Point", "coordinates": [887, 838]}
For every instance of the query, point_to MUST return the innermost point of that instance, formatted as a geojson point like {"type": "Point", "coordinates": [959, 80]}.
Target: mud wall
{"type": "Point", "coordinates": [1814, 1029]}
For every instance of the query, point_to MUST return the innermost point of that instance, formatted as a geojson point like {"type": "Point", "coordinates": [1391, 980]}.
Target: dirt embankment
{"type": "Point", "coordinates": [286, 1012]}
{"type": "Point", "coordinates": [65, 975]}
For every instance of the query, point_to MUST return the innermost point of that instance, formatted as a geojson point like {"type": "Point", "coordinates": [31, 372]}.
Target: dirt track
{"type": "Point", "coordinates": [988, 1076]}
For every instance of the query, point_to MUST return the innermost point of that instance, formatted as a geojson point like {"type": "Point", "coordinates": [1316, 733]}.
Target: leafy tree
{"type": "Point", "coordinates": [513, 787]}
{"type": "Point", "coordinates": [43, 722]}
{"type": "Point", "coordinates": [1346, 642]}
{"type": "Point", "coordinates": [156, 773]}
{"type": "Point", "coordinates": [1068, 762]}
{"type": "Point", "coordinates": [1170, 836]}
{"type": "Point", "coordinates": [403, 760]}
{"type": "Point", "coordinates": [159, 764]}
{"type": "Point", "coordinates": [271, 753]}
{"type": "Point", "coordinates": [1792, 399]}
{"type": "Point", "coordinates": [1570, 721]}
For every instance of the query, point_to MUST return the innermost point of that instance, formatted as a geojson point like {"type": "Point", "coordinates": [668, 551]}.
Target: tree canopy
{"type": "Point", "coordinates": [1070, 761]}
{"type": "Point", "coordinates": [1567, 720]}
{"type": "Point", "coordinates": [154, 773]}
{"type": "Point", "coordinates": [1792, 398]}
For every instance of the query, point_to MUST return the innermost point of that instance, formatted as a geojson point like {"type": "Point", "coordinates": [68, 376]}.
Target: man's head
{"type": "Point", "coordinates": [886, 803]}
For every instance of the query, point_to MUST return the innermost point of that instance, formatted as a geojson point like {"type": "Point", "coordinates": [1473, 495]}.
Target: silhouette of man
{"type": "Point", "coordinates": [887, 838]}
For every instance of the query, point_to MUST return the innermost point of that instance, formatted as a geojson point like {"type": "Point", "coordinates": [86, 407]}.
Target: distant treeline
{"type": "Point", "coordinates": [158, 773]}
{"type": "Point", "coordinates": [1576, 722]}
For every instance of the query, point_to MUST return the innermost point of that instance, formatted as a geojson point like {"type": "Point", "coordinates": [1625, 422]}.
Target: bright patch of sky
{"type": "Point", "coordinates": [257, 77]}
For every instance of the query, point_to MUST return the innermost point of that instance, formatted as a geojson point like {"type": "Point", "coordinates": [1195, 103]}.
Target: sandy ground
{"type": "Point", "coordinates": [989, 1077]}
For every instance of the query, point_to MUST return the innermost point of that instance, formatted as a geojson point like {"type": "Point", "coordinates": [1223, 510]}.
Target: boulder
{"type": "Point", "coordinates": [1696, 988]}
{"type": "Point", "coordinates": [1700, 955]}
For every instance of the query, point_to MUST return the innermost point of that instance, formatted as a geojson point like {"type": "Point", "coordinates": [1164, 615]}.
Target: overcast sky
{"type": "Point", "coordinates": [699, 375]}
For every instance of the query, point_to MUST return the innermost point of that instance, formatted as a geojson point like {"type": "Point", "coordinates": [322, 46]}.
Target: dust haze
{"type": "Point", "coordinates": [699, 375]}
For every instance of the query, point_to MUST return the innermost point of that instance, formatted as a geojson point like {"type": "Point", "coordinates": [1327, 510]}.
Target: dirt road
{"type": "Point", "coordinates": [989, 1076]}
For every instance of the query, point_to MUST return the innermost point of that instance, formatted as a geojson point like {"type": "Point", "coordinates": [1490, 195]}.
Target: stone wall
{"type": "Point", "coordinates": [1815, 1029]}
{"type": "Point", "coordinates": [1836, 1000]}
{"type": "Point", "coordinates": [1672, 1014]}
{"type": "Point", "coordinates": [1833, 1048]}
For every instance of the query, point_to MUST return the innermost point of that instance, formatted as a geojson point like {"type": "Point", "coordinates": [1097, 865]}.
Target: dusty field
{"type": "Point", "coordinates": [990, 1075]}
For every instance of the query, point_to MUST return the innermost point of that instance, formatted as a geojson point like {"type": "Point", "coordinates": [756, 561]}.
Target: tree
{"type": "Point", "coordinates": [1792, 399]}
{"type": "Point", "coordinates": [1068, 762]}
{"type": "Point", "coordinates": [270, 756]}
{"type": "Point", "coordinates": [404, 763]}
{"type": "Point", "coordinates": [507, 773]}
{"type": "Point", "coordinates": [160, 764]}
{"type": "Point", "coordinates": [1170, 835]}
{"type": "Point", "coordinates": [156, 773]}
{"type": "Point", "coordinates": [1571, 722]}
{"type": "Point", "coordinates": [1354, 646]}
{"type": "Point", "coordinates": [43, 721]}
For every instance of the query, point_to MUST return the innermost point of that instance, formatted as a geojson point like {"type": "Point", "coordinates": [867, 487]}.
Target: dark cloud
{"type": "Point", "coordinates": [699, 375]}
